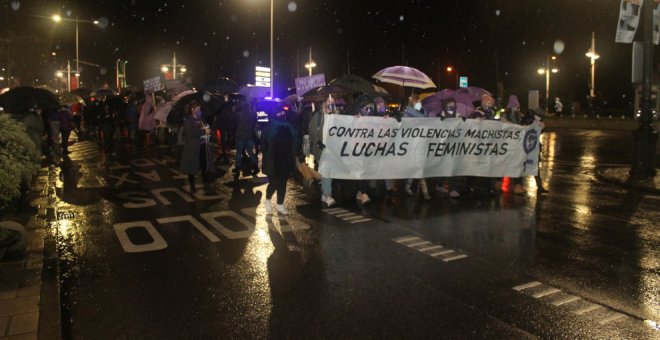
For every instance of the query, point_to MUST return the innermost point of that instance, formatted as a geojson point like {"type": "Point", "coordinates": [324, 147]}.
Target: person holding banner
{"type": "Point", "coordinates": [415, 110]}
{"type": "Point", "coordinates": [449, 185]}
{"type": "Point", "coordinates": [316, 145]}
{"type": "Point", "coordinates": [279, 159]}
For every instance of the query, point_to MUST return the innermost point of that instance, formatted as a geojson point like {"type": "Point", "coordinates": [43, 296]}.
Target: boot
{"type": "Point", "coordinates": [425, 189]}
{"type": "Point", "coordinates": [268, 204]}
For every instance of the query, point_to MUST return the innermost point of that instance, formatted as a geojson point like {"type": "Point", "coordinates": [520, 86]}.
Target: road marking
{"type": "Point", "coordinates": [330, 211]}
{"type": "Point", "coordinates": [337, 211]}
{"type": "Point", "coordinates": [430, 248]}
{"type": "Point", "coordinates": [546, 293]}
{"type": "Point", "coordinates": [418, 244]}
{"type": "Point", "coordinates": [587, 309]}
{"type": "Point", "coordinates": [565, 301]}
{"type": "Point", "coordinates": [345, 214]}
{"type": "Point", "coordinates": [443, 252]}
{"type": "Point", "coordinates": [454, 258]}
{"type": "Point", "coordinates": [527, 285]}
{"type": "Point", "coordinates": [353, 218]}
{"type": "Point", "coordinates": [614, 317]}
{"type": "Point", "coordinates": [405, 239]}
{"type": "Point", "coordinates": [361, 220]}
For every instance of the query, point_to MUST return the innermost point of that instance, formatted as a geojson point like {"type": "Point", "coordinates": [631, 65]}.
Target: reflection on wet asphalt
{"type": "Point", "coordinates": [142, 257]}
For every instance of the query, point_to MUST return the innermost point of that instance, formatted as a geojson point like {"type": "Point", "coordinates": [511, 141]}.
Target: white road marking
{"type": "Point", "coordinates": [566, 300]}
{"type": "Point", "coordinates": [587, 309]}
{"type": "Point", "coordinates": [614, 317]}
{"type": "Point", "coordinates": [546, 293]}
{"type": "Point", "coordinates": [353, 218]}
{"type": "Point", "coordinates": [330, 211]}
{"type": "Point", "coordinates": [454, 258]}
{"type": "Point", "coordinates": [418, 244]}
{"type": "Point", "coordinates": [527, 285]}
{"type": "Point", "coordinates": [345, 214]}
{"type": "Point", "coordinates": [361, 220]}
{"type": "Point", "coordinates": [443, 252]}
{"type": "Point", "coordinates": [405, 239]}
{"type": "Point", "coordinates": [430, 248]}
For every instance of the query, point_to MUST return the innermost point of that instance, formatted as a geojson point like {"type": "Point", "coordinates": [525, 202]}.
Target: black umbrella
{"type": "Point", "coordinates": [355, 83]}
{"type": "Point", "coordinates": [319, 93]}
{"type": "Point", "coordinates": [23, 99]}
{"type": "Point", "coordinates": [222, 85]}
{"type": "Point", "coordinates": [210, 103]}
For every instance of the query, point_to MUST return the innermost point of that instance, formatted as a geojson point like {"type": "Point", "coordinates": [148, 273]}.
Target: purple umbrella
{"type": "Point", "coordinates": [474, 92]}
{"type": "Point", "coordinates": [435, 103]}
{"type": "Point", "coordinates": [404, 76]}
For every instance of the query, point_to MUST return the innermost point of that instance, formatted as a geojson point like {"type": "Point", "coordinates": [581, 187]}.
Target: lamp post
{"type": "Point", "coordinates": [57, 18]}
{"type": "Point", "coordinates": [547, 70]}
{"type": "Point", "coordinates": [310, 64]}
{"type": "Point", "coordinates": [593, 56]}
{"type": "Point", "coordinates": [451, 69]}
{"type": "Point", "coordinates": [175, 67]}
{"type": "Point", "coordinates": [272, 69]}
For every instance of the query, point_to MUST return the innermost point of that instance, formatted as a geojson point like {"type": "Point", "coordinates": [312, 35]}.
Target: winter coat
{"type": "Point", "coordinates": [66, 120]}
{"type": "Point", "coordinates": [193, 140]}
{"type": "Point", "coordinates": [316, 133]}
{"type": "Point", "coordinates": [246, 119]}
{"type": "Point", "coordinates": [279, 149]}
{"type": "Point", "coordinates": [410, 112]}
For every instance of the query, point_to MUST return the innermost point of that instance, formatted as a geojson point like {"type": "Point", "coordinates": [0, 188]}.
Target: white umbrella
{"type": "Point", "coordinates": [404, 76]}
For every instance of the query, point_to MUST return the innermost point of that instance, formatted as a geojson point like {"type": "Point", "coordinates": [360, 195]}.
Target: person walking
{"type": "Point", "coordinates": [197, 155]}
{"type": "Point", "coordinates": [415, 110]}
{"type": "Point", "coordinates": [279, 159]}
{"type": "Point", "coordinates": [66, 126]}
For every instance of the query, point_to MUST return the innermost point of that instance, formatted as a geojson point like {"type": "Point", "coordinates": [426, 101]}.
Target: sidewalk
{"type": "Point", "coordinates": [22, 307]}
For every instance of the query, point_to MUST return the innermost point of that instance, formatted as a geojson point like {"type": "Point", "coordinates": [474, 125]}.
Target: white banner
{"type": "Point", "coordinates": [382, 148]}
{"type": "Point", "coordinates": [628, 20]}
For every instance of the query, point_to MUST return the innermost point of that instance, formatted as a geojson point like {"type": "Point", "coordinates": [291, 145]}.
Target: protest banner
{"type": "Point", "coordinates": [383, 148]}
{"type": "Point", "coordinates": [304, 84]}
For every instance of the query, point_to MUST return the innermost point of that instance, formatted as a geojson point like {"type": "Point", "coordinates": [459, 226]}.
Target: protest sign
{"type": "Point", "coordinates": [382, 148]}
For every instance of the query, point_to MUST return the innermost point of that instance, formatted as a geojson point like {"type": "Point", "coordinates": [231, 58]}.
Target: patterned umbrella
{"type": "Point", "coordinates": [404, 76]}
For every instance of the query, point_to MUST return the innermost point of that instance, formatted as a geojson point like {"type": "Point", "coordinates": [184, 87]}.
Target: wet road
{"type": "Point", "coordinates": [140, 258]}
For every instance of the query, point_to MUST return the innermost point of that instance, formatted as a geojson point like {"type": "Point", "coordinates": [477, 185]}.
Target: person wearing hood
{"type": "Point", "coordinates": [486, 110]}
{"type": "Point", "coordinates": [512, 112]}
{"type": "Point", "coordinates": [279, 159]}
{"type": "Point", "coordinates": [197, 153]}
{"type": "Point", "coordinates": [316, 145]}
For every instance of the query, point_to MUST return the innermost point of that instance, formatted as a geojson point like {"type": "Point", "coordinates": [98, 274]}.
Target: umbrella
{"type": "Point", "coordinates": [210, 103]}
{"type": "Point", "coordinates": [404, 76]}
{"type": "Point", "coordinates": [319, 93]}
{"type": "Point", "coordinates": [47, 88]}
{"type": "Point", "coordinates": [221, 85]}
{"type": "Point", "coordinates": [382, 92]}
{"type": "Point", "coordinates": [355, 83]}
{"type": "Point", "coordinates": [474, 92]}
{"type": "Point", "coordinates": [252, 92]}
{"type": "Point", "coordinates": [71, 98]}
{"type": "Point", "coordinates": [22, 99]}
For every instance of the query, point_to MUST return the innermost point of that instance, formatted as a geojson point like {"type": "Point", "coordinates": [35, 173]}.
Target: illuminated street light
{"type": "Point", "coordinates": [451, 69]}
{"type": "Point", "coordinates": [593, 56]}
{"type": "Point", "coordinates": [547, 70]}
{"type": "Point", "coordinates": [59, 74]}
{"type": "Point", "coordinates": [57, 18]}
{"type": "Point", "coordinates": [176, 68]}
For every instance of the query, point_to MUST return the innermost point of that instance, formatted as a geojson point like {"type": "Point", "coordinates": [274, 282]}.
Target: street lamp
{"type": "Point", "coordinates": [547, 70]}
{"type": "Point", "coordinates": [593, 56]}
{"type": "Point", "coordinates": [57, 18]}
{"type": "Point", "coordinates": [451, 69]}
{"type": "Point", "coordinates": [175, 67]}
{"type": "Point", "coordinates": [310, 64]}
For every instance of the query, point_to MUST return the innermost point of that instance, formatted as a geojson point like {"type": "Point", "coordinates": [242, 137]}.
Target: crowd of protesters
{"type": "Point", "coordinates": [294, 132]}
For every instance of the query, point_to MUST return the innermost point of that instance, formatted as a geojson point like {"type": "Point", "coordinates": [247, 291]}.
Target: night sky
{"type": "Point", "coordinates": [482, 39]}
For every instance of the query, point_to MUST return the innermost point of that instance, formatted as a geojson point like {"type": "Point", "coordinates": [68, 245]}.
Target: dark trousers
{"type": "Point", "coordinates": [65, 141]}
{"type": "Point", "coordinates": [276, 183]}
{"type": "Point", "coordinates": [203, 165]}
